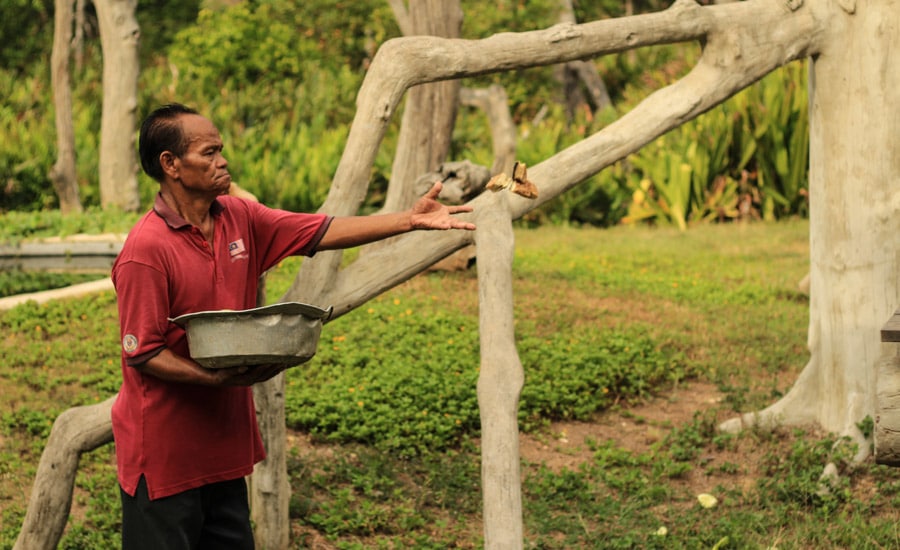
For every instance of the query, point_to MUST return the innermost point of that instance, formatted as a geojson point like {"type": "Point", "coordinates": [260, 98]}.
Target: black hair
{"type": "Point", "coordinates": [161, 131]}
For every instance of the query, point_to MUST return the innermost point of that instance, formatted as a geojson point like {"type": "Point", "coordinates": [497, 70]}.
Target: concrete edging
{"type": "Point", "coordinates": [54, 294]}
{"type": "Point", "coordinates": [94, 251]}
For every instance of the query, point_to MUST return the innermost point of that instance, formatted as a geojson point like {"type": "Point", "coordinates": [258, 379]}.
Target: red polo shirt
{"type": "Point", "coordinates": [182, 436]}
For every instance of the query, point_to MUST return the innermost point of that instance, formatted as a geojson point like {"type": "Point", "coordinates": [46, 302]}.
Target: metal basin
{"type": "Point", "coordinates": [286, 334]}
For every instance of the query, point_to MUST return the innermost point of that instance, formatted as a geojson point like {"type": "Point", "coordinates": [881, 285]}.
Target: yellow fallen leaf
{"type": "Point", "coordinates": [707, 500]}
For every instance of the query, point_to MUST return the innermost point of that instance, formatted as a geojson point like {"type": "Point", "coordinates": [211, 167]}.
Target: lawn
{"type": "Point", "coordinates": [635, 342]}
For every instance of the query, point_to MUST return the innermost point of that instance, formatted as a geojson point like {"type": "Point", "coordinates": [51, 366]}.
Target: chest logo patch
{"type": "Point", "coordinates": [130, 343]}
{"type": "Point", "coordinates": [236, 249]}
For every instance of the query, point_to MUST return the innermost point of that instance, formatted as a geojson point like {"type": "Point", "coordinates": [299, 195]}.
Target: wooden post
{"type": "Point", "coordinates": [270, 489]}
{"type": "Point", "coordinates": [500, 379]}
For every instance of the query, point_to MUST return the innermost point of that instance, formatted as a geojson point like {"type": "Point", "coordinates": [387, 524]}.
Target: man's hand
{"type": "Point", "coordinates": [428, 213]}
{"type": "Point", "coordinates": [167, 365]}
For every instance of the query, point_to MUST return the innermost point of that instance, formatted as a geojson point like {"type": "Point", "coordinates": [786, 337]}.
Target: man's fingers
{"type": "Point", "coordinates": [435, 190]}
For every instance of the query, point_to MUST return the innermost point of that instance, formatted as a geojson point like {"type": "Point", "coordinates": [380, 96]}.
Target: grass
{"type": "Point", "coordinates": [619, 332]}
{"type": "Point", "coordinates": [20, 225]}
{"type": "Point", "coordinates": [19, 281]}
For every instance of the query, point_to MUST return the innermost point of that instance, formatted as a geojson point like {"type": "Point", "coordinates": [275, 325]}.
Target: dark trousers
{"type": "Point", "coordinates": [212, 517]}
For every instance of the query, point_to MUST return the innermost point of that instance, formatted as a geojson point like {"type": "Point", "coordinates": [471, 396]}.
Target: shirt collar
{"type": "Point", "coordinates": [173, 219]}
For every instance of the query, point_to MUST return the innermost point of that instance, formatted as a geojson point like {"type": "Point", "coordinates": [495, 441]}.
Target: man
{"type": "Point", "coordinates": [186, 436]}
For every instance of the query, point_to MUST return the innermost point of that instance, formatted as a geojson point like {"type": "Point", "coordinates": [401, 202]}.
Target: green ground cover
{"type": "Point", "coordinates": [614, 327]}
{"type": "Point", "coordinates": [18, 281]}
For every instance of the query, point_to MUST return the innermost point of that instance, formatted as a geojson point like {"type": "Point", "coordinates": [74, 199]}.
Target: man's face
{"type": "Point", "coordinates": [202, 168]}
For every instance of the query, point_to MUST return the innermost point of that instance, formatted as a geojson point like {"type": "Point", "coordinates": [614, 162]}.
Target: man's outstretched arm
{"type": "Point", "coordinates": [426, 214]}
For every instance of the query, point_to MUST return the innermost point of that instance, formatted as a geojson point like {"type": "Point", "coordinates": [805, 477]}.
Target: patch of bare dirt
{"type": "Point", "coordinates": [636, 428]}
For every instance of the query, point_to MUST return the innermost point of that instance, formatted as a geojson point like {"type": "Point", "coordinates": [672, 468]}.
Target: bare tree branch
{"type": "Point", "coordinates": [733, 57]}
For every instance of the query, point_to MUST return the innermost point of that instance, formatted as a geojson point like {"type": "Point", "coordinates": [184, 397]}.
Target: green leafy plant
{"type": "Point", "coordinates": [746, 158]}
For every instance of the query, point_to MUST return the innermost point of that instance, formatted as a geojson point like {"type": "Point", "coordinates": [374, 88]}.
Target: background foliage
{"type": "Point", "coordinates": [280, 77]}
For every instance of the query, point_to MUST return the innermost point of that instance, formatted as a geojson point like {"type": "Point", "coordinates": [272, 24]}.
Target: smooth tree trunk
{"type": "Point", "coordinates": [63, 174]}
{"type": "Point", "coordinates": [854, 264]}
{"type": "Point", "coordinates": [854, 200]}
{"type": "Point", "coordinates": [119, 37]}
{"type": "Point", "coordinates": [270, 489]}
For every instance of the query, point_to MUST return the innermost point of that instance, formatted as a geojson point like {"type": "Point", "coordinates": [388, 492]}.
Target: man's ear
{"type": "Point", "coordinates": [167, 160]}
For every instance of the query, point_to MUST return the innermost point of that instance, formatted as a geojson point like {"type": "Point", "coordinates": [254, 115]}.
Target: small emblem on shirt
{"type": "Point", "coordinates": [130, 343]}
{"type": "Point", "coordinates": [237, 250]}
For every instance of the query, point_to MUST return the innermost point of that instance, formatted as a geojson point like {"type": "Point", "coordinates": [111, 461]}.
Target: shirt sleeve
{"type": "Point", "coordinates": [279, 233]}
{"type": "Point", "coordinates": [143, 297]}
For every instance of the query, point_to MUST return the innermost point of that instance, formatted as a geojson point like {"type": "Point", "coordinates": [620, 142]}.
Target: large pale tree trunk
{"type": "Point", "coordinates": [854, 239]}
{"type": "Point", "coordinates": [119, 36]}
{"type": "Point", "coordinates": [854, 201]}
{"type": "Point", "coordinates": [63, 174]}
